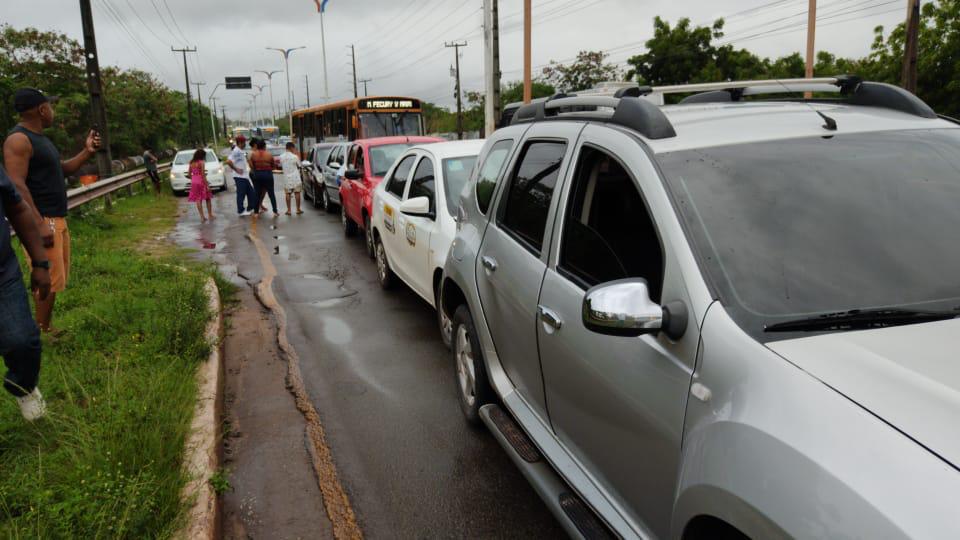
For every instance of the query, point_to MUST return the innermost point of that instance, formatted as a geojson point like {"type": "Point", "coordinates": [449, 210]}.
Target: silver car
{"type": "Point", "coordinates": [722, 318]}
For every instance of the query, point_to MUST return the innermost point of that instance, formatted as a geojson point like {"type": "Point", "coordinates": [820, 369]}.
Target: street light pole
{"type": "Point", "coordinates": [270, 75]}
{"type": "Point", "coordinates": [286, 68]}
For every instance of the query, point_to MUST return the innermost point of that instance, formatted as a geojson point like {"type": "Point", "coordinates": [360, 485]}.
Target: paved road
{"type": "Point", "coordinates": [382, 382]}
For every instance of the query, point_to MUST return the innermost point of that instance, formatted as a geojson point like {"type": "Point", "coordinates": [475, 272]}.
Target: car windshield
{"type": "Point", "coordinates": [802, 227]}
{"type": "Point", "coordinates": [184, 158]}
{"type": "Point", "coordinates": [456, 172]}
{"type": "Point", "coordinates": [390, 124]}
{"type": "Point", "coordinates": [382, 157]}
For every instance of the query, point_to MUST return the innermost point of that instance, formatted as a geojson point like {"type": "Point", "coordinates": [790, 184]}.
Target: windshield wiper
{"type": "Point", "coordinates": [858, 319]}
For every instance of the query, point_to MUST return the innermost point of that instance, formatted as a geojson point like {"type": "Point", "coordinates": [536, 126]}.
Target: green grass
{"type": "Point", "coordinates": [119, 385]}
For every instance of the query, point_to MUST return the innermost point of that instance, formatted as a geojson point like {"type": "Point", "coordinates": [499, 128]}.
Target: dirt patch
{"type": "Point", "coordinates": [273, 493]}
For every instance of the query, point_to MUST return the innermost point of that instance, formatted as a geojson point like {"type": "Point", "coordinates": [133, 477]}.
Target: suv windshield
{"type": "Point", "coordinates": [802, 227]}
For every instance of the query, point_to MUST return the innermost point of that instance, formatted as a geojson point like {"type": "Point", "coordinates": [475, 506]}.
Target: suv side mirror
{"type": "Point", "coordinates": [352, 174]}
{"type": "Point", "coordinates": [624, 308]}
{"type": "Point", "coordinates": [417, 207]}
{"type": "Point", "coordinates": [306, 163]}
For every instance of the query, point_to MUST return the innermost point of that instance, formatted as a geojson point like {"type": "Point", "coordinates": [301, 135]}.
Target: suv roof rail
{"type": "Point", "coordinates": [852, 88]}
{"type": "Point", "coordinates": [629, 111]}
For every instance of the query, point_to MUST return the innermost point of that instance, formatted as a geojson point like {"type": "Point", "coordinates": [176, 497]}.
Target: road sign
{"type": "Point", "coordinates": [237, 83]}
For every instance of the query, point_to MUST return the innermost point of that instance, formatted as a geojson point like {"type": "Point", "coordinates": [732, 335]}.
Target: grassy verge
{"type": "Point", "coordinates": [119, 385]}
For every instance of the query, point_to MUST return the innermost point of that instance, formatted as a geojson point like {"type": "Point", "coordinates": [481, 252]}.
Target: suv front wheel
{"type": "Point", "coordinates": [473, 389]}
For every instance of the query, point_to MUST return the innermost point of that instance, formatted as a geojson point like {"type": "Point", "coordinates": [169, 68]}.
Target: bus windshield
{"type": "Point", "coordinates": [390, 124]}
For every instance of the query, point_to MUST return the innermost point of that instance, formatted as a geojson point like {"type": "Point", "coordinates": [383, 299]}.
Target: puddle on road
{"type": "Point", "coordinates": [333, 302]}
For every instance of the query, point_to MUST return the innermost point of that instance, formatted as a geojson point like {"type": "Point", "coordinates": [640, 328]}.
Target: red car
{"type": "Point", "coordinates": [368, 161]}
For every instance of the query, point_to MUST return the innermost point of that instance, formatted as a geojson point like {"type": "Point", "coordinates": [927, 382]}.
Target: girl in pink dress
{"type": "Point", "coordinates": [199, 187]}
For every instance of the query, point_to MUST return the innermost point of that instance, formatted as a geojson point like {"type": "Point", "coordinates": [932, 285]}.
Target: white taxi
{"type": "Point", "coordinates": [413, 216]}
{"type": "Point", "coordinates": [180, 174]}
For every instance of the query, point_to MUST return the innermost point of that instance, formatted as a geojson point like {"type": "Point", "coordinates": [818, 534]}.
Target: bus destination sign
{"type": "Point", "coordinates": [388, 103]}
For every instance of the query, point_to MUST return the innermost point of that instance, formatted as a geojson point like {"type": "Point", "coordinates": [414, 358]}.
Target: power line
{"type": "Point", "coordinates": [401, 47]}
{"type": "Point", "coordinates": [174, 20]}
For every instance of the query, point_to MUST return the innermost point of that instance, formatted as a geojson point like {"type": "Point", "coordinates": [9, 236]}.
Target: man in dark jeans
{"type": "Point", "coordinates": [150, 162]}
{"type": "Point", "coordinates": [19, 334]}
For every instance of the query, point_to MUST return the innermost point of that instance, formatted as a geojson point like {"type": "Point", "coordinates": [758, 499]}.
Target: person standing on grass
{"type": "Point", "coordinates": [237, 161]}
{"type": "Point", "coordinates": [199, 187]}
{"type": "Point", "coordinates": [262, 164]}
{"type": "Point", "coordinates": [19, 334]}
{"type": "Point", "coordinates": [33, 164]}
{"type": "Point", "coordinates": [290, 164]}
{"type": "Point", "coordinates": [150, 162]}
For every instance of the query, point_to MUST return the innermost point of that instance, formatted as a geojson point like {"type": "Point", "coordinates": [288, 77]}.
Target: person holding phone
{"type": "Point", "coordinates": [34, 166]}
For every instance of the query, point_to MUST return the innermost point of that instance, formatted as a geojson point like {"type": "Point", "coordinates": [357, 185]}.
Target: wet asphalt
{"type": "Point", "coordinates": [382, 381]}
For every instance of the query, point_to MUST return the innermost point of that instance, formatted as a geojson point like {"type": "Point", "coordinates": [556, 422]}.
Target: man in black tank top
{"type": "Point", "coordinates": [33, 164]}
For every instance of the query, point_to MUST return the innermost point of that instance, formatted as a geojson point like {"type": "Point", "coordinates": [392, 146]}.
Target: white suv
{"type": "Point", "coordinates": [414, 211]}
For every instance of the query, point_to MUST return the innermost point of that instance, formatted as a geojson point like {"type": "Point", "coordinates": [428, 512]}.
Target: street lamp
{"type": "Point", "coordinates": [256, 110]}
{"type": "Point", "coordinates": [286, 68]}
{"type": "Point", "coordinates": [270, 75]}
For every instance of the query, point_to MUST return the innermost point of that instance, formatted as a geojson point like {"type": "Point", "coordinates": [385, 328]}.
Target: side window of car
{"type": "Point", "coordinates": [423, 184]}
{"type": "Point", "coordinates": [358, 162]}
{"type": "Point", "coordinates": [398, 180]}
{"type": "Point", "coordinates": [490, 171]}
{"type": "Point", "coordinates": [608, 233]}
{"type": "Point", "coordinates": [333, 156]}
{"type": "Point", "coordinates": [352, 157]}
{"type": "Point", "coordinates": [523, 209]}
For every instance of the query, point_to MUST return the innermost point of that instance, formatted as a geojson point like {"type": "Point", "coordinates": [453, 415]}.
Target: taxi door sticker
{"type": "Point", "coordinates": [411, 231]}
{"type": "Point", "coordinates": [388, 218]}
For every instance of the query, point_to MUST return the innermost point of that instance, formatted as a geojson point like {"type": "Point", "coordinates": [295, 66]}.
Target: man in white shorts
{"type": "Point", "coordinates": [290, 164]}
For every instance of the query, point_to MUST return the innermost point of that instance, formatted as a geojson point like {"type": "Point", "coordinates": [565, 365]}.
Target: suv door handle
{"type": "Point", "coordinates": [549, 317]}
{"type": "Point", "coordinates": [489, 263]}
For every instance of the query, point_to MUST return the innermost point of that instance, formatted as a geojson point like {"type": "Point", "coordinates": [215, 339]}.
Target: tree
{"type": "Point", "coordinates": [512, 92]}
{"type": "Point", "coordinates": [588, 70]}
{"type": "Point", "coordinates": [676, 55]}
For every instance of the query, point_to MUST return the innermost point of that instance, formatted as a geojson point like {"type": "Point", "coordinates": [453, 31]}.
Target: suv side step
{"type": "Point", "coordinates": [574, 515]}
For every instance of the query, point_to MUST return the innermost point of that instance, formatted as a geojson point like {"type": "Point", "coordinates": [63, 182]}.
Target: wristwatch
{"type": "Point", "coordinates": [40, 264]}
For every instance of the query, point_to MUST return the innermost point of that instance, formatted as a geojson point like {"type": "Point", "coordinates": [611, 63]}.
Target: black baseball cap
{"type": "Point", "coordinates": [27, 98]}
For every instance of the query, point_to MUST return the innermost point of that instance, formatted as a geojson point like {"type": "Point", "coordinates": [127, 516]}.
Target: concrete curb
{"type": "Point", "coordinates": [201, 459]}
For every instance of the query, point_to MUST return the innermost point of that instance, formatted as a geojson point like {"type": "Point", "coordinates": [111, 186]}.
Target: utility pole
{"type": "Point", "coordinates": [910, 47]}
{"type": "Point", "coordinates": [213, 120]}
{"type": "Point", "coordinates": [97, 108]}
{"type": "Point", "coordinates": [203, 134]}
{"type": "Point", "coordinates": [353, 62]}
{"type": "Point", "coordinates": [491, 33]}
{"type": "Point", "coordinates": [223, 112]}
{"type": "Point", "coordinates": [306, 81]}
{"type": "Point", "coordinates": [186, 75]}
{"type": "Point", "coordinates": [456, 55]}
{"type": "Point", "coordinates": [365, 81]}
{"type": "Point", "coordinates": [270, 75]}
{"type": "Point", "coordinates": [527, 63]}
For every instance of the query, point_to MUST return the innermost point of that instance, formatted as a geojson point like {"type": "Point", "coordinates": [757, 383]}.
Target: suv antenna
{"type": "Point", "coordinates": [829, 123]}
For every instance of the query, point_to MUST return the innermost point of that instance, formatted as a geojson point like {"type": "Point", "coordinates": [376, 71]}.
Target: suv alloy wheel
{"type": "Point", "coordinates": [472, 387]}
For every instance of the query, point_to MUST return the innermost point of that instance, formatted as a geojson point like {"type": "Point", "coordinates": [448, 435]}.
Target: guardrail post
{"type": "Point", "coordinates": [106, 202]}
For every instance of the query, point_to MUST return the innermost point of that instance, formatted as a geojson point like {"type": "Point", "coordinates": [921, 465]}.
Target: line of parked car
{"type": "Point", "coordinates": [724, 318]}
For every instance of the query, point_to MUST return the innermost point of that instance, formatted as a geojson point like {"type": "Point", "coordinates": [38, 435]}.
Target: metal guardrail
{"type": "Point", "coordinates": [101, 188]}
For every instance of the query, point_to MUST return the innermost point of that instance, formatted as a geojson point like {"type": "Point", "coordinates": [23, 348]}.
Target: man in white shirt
{"type": "Point", "coordinates": [237, 161]}
{"type": "Point", "coordinates": [290, 164]}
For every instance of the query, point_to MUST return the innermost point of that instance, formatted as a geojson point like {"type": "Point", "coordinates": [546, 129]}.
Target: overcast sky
{"type": "Point", "coordinates": [400, 43]}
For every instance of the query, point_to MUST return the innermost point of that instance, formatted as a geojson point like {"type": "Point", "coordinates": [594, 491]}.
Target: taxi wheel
{"type": "Point", "coordinates": [470, 373]}
{"type": "Point", "coordinates": [384, 273]}
{"type": "Point", "coordinates": [349, 227]}
{"type": "Point", "coordinates": [443, 320]}
{"type": "Point", "coordinates": [369, 237]}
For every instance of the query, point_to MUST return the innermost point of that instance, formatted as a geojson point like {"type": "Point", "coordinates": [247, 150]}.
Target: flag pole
{"type": "Point", "coordinates": [323, 50]}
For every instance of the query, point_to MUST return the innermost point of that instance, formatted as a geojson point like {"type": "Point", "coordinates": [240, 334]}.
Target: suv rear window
{"type": "Point", "coordinates": [527, 201]}
{"type": "Point", "coordinates": [490, 172]}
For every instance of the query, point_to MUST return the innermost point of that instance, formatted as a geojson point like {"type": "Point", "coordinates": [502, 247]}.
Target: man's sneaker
{"type": "Point", "coordinates": [246, 213]}
{"type": "Point", "coordinates": [32, 405]}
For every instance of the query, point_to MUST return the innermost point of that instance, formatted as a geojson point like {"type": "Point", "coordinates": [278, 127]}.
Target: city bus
{"type": "Point", "coordinates": [359, 118]}
{"type": "Point", "coordinates": [240, 130]}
